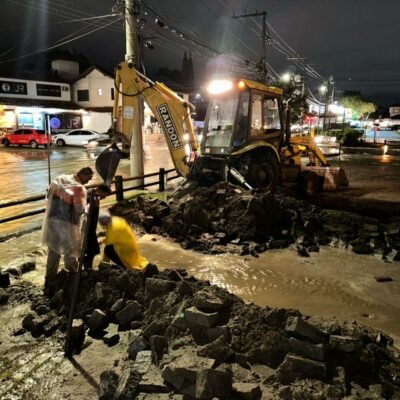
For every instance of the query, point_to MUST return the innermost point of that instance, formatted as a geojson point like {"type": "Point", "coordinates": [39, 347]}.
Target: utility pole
{"type": "Point", "coordinates": [264, 38]}
{"type": "Point", "coordinates": [329, 98]}
{"type": "Point", "coordinates": [303, 82]}
{"type": "Point", "coordinates": [304, 72]}
{"type": "Point", "coordinates": [132, 9]}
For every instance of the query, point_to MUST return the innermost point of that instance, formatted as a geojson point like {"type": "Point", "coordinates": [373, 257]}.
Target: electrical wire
{"type": "Point", "coordinates": [58, 43]}
{"type": "Point", "coordinates": [201, 45]}
{"type": "Point", "coordinates": [54, 8]}
{"type": "Point", "coordinates": [60, 22]}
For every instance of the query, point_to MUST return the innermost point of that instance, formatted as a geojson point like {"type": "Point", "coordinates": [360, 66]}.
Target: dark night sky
{"type": "Point", "coordinates": [355, 41]}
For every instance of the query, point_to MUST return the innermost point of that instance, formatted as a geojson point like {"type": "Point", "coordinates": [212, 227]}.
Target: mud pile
{"type": "Point", "coordinates": [192, 340]}
{"type": "Point", "coordinates": [223, 218]}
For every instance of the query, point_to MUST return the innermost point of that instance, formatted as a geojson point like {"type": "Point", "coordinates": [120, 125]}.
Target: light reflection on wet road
{"type": "Point", "coordinates": [24, 173]}
{"type": "Point", "coordinates": [280, 279]}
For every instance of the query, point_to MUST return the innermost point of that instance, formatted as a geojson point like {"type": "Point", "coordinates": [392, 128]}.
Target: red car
{"type": "Point", "coordinates": [27, 136]}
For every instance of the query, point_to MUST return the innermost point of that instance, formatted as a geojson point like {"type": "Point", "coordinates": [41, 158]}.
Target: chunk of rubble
{"type": "Point", "coordinates": [296, 367]}
{"type": "Point", "coordinates": [298, 327]}
{"type": "Point", "coordinates": [108, 385]}
{"type": "Point", "coordinates": [205, 299]}
{"type": "Point", "coordinates": [345, 344]}
{"type": "Point", "coordinates": [128, 385]}
{"type": "Point", "coordinates": [182, 373]}
{"type": "Point", "coordinates": [153, 382]}
{"type": "Point", "coordinates": [200, 318]}
{"type": "Point", "coordinates": [98, 321]}
{"type": "Point", "coordinates": [247, 391]}
{"type": "Point", "coordinates": [128, 313]}
{"type": "Point", "coordinates": [213, 383]}
{"type": "Point", "coordinates": [219, 350]}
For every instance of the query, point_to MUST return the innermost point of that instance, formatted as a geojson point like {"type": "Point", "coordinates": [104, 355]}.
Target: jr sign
{"type": "Point", "coordinates": [9, 87]}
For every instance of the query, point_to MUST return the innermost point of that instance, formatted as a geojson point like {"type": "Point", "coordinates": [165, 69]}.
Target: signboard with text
{"type": "Point", "coordinates": [65, 121]}
{"type": "Point", "coordinates": [9, 87]}
{"type": "Point", "coordinates": [48, 90]}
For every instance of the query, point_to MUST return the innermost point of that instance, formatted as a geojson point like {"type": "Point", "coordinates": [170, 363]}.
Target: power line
{"type": "Point", "coordinates": [245, 70]}
{"type": "Point", "coordinates": [59, 44]}
{"type": "Point", "coordinates": [61, 22]}
{"type": "Point", "coordinates": [54, 8]}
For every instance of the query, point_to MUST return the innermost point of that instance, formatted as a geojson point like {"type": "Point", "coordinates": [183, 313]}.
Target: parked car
{"type": "Point", "coordinates": [27, 136]}
{"type": "Point", "coordinates": [77, 137]}
{"type": "Point", "coordinates": [388, 124]}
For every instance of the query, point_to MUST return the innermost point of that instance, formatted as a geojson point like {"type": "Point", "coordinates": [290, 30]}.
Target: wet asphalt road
{"type": "Point", "coordinates": [24, 172]}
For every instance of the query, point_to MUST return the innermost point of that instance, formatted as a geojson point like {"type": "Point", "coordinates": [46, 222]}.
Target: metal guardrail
{"type": "Point", "coordinates": [120, 189]}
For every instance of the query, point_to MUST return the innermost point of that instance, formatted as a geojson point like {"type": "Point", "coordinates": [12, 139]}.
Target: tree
{"type": "Point", "coordinates": [360, 107]}
{"type": "Point", "coordinates": [297, 102]}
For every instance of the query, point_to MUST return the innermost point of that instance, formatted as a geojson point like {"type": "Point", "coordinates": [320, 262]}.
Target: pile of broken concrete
{"type": "Point", "coordinates": [193, 340]}
{"type": "Point", "coordinates": [224, 218]}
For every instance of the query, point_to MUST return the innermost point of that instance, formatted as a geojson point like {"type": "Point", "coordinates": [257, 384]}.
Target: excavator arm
{"type": "Point", "coordinates": [171, 112]}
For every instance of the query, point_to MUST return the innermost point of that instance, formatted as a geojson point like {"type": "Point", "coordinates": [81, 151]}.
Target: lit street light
{"type": "Point", "coordinates": [286, 77]}
{"type": "Point", "coordinates": [322, 91]}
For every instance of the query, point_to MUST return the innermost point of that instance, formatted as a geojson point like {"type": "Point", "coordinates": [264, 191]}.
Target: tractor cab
{"type": "Point", "coordinates": [241, 113]}
{"type": "Point", "coordinates": [243, 134]}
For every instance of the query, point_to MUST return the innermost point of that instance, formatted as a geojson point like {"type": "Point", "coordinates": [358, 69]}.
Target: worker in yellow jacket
{"type": "Point", "coordinates": [120, 243]}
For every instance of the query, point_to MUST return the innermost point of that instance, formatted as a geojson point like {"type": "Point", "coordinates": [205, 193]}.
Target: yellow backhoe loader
{"type": "Point", "coordinates": [246, 137]}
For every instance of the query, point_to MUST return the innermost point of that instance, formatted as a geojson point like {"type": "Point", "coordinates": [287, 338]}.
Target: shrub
{"type": "Point", "coordinates": [347, 137]}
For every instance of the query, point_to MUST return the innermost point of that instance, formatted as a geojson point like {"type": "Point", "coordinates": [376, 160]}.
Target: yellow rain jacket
{"type": "Point", "coordinates": [120, 234]}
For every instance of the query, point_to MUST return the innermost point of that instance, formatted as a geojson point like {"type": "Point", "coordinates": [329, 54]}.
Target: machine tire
{"type": "Point", "coordinates": [34, 144]}
{"type": "Point", "coordinates": [6, 142]}
{"type": "Point", "coordinates": [264, 172]}
{"type": "Point", "coordinates": [60, 143]}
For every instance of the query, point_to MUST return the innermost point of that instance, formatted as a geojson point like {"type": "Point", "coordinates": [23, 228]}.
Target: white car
{"type": "Point", "coordinates": [77, 137]}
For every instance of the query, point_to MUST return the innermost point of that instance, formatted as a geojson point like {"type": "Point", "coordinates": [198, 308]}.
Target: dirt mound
{"type": "Point", "coordinates": [223, 218]}
{"type": "Point", "coordinates": [193, 340]}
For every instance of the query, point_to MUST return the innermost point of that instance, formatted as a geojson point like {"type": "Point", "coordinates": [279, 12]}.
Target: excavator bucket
{"type": "Point", "coordinates": [329, 178]}
{"type": "Point", "coordinates": [107, 162]}
{"type": "Point", "coordinates": [332, 178]}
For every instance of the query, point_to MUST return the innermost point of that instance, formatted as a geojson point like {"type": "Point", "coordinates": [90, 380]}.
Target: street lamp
{"type": "Point", "coordinates": [286, 77]}
{"type": "Point", "coordinates": [322, 91]}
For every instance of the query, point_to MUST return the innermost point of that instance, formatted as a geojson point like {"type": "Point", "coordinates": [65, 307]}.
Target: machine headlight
{"type": "Point", "coordinates": [219, 86]}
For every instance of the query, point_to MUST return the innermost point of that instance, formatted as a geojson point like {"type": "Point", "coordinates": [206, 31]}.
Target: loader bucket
{"type": "Point", "coordinates": [333, 177]}
{"type": "Point", "coordinates": [107, 162]}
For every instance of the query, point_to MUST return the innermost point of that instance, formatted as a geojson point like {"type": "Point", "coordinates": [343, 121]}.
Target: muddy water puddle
{"type": "Point", "coordinates": [332, 282]}
{"type": "Point", "coordinates": [36, 369]}
{"type": "Point", "coordinates": [28, 366]}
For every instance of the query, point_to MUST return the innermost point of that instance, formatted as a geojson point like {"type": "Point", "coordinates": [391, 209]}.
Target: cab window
{"type": "Point", "coordinates": [265, 117]}
{"type": "Point", "coordinates": [242, 121]}
{"type": "Point", "coordinates": [256, 115]}
{"type": "Point", "coordinates": [271, 119]}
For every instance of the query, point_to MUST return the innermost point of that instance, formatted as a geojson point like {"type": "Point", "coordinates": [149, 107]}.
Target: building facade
{"type": "Point", "coordinates": [66, 100]}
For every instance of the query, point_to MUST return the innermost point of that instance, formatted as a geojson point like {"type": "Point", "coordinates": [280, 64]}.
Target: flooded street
{"type": "Point", "coordinates": [25, 173]}
{"type": "Point", "coordinates": [331, 282]}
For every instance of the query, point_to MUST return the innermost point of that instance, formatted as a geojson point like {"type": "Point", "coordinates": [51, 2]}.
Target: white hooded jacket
{"type": "Point", "coordinates": [65, 216]}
